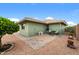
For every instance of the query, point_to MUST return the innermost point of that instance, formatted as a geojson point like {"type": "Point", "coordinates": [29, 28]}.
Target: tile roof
{"type": "Point", "coordinates": [54, 21]}
{"type": "Point", "coordinates": [48, 21]}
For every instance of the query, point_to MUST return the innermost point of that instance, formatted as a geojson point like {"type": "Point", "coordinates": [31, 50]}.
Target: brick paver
{"type": "Point", "coordinates": [37, 41]}
{"type": "Point", "coordinates": [54, 47]}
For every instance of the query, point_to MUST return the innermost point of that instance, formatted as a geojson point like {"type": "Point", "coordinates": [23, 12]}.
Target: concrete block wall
{"type": "Point", "coordinates": [77, 31]}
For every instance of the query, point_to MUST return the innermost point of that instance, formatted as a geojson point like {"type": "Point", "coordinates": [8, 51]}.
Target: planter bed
{"type": "Point", "coordinates": [6, 47]}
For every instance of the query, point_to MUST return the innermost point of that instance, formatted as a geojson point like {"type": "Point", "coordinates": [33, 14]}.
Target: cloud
{"type": "Point", "coordinates": [14, 19]}
{"type": "Point", "coordinates": [35, 18]}
{"type": "Point", "coordinates": [49, 18]}
{"type": "Point", "coordinates": [70, 23]}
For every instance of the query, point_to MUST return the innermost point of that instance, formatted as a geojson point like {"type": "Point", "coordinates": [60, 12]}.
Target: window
{"type": "Point", "coordinates": [22, 26]}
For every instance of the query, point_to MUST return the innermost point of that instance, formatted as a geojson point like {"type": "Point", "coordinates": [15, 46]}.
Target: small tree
{"type": "Point", "coordinates": [70, 30]}
{"type": "Point", "coordinates": [7, 27]}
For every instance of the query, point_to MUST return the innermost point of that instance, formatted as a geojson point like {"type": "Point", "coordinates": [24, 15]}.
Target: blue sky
{"type": "Point", "coordinates": [68, 12]}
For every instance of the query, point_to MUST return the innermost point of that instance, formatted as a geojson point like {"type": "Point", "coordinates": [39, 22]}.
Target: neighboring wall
{"type": "Point", "coordinates": [57, 27]}
{"type": "Point", "coordinates": [77, 32]}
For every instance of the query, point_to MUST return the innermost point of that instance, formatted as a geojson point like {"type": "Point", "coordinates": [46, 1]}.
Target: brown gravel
{"type": "Point", "coordinates": [55, 47]}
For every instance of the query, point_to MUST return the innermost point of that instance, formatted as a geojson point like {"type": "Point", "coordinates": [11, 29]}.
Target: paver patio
{"type": "Point", "coordinates": [51, 45]}
{"type": "Point", "coordinates": [38, 41]}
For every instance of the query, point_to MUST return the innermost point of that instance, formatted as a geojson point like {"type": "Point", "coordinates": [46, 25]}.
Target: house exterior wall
{"type": "Point", "coordinates": [32, 29]}
{"type": "Point", "coordinates": [57, 27]}
{"type": "Point", "coordinates": [24, 32]}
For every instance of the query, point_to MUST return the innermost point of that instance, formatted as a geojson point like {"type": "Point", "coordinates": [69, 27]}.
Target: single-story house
{"type": "Point", "coordinates": [29, 26]}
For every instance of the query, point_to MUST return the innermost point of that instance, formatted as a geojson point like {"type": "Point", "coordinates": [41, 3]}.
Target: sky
{"type": "Point", "coordinates": [41, 11]}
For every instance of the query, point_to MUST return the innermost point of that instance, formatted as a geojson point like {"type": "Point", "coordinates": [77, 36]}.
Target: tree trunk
{"type": "Point", "coordinates": [0, 42]}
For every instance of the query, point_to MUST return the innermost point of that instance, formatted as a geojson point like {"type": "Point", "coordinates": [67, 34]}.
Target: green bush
{"type": "Point", "coordinates": [7, 27]}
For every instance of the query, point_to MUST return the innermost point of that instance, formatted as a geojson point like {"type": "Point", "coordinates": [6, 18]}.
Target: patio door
{"type": "Point", "coordinates": [47, 28]}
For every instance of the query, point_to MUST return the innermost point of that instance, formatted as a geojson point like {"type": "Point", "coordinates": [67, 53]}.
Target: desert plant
{"type": "Point", "coordinates": [70, 30]}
